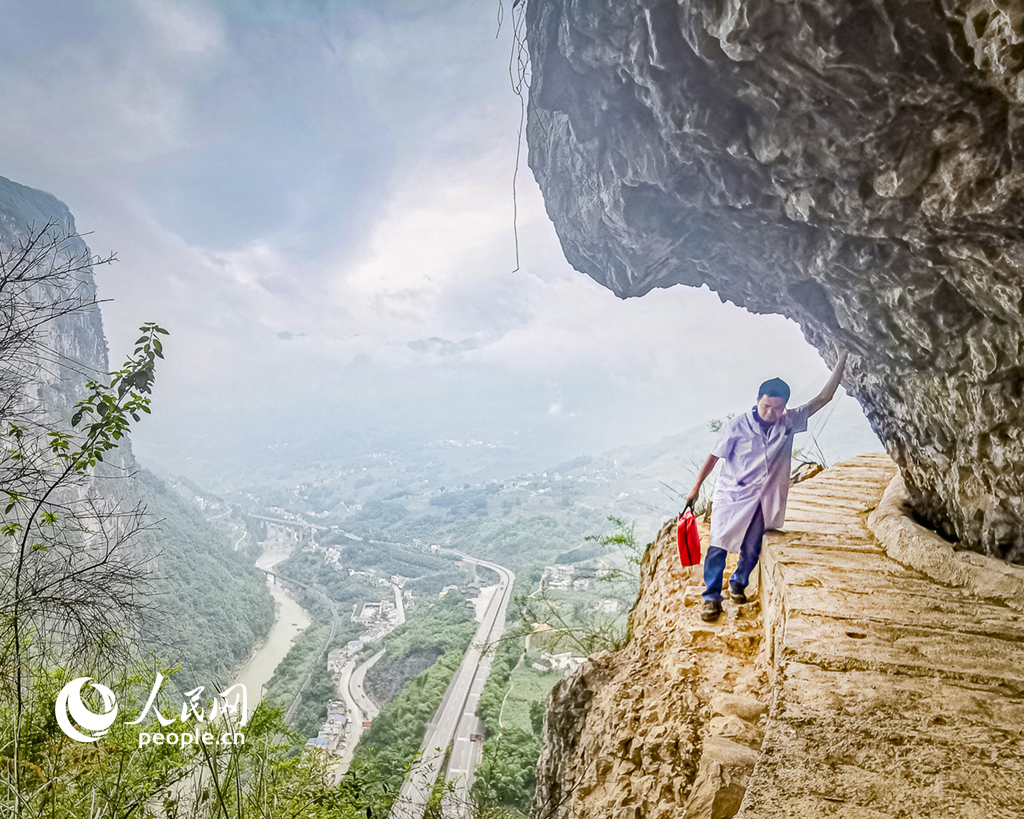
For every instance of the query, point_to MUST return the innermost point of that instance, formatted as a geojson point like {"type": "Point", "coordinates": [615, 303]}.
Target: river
{"type": "Point", "coordinates": [289, 622]}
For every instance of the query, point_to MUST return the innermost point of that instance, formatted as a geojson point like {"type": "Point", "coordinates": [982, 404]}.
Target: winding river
{"type": "Point", "coordinates": [290, 621]}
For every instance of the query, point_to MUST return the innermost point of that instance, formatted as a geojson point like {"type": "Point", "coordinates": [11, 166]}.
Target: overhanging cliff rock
{"type": "Point", "coordinates": [856, 166]}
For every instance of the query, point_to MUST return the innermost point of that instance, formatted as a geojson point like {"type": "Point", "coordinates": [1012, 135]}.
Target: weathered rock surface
{"type": "Point", "coordinates": [876, 691]}
{"type": "Point", "coordinates": [856, 166]}
{"type": "Point", "coordinates": [72, 347]}
{"type": "Point", "coordinates": [667, 727]}
{"type": "Point", "coordinates": [893, 694]}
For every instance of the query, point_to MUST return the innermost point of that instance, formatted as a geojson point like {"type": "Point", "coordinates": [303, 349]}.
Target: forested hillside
{"type": "Point", "coordinates": [211, 604]}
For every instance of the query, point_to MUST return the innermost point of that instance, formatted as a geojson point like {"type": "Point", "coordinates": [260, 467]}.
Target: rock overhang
{"type": "Point", "coordinates": [855, 166]}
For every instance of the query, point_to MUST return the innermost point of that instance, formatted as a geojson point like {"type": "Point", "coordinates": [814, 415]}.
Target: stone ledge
{"type": "Point", "coordinates": [897, 681]}
{"type": "Point", "coordinates": [880, 691]}
{"type": "Point", "coordinates": [909, 543]}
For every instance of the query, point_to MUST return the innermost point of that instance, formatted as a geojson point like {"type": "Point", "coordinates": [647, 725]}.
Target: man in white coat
{"type": "Point", "coordinates": [757, 450]}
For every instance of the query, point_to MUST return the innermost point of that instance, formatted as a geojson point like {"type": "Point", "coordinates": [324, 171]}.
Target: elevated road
{"type": "Point", "coordinates": [294, 524]}
{"type": "Point", "coordinates": [455, 721]}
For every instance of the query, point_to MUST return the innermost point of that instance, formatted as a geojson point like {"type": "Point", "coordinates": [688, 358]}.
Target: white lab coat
{"type": "Point", "coordinates": [755, 470]}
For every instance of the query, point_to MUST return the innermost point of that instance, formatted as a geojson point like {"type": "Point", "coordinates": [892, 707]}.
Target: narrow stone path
{"type": "Point", "coordinates": [893, 695]}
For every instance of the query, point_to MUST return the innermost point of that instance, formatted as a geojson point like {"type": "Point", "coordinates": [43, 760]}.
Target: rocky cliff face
{"type": "Point", "coordinates": [73, 347]}
{"type": "Point", "coordinates": [189, 566]}
{"type": "Point", "coordinates": [853, 685]}
{"type": "Point", "coordinates": [856, 166]}
{"type": "Point", "coordinates": [667, 727]}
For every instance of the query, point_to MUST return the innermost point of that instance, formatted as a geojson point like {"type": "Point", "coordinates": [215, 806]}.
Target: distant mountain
{"type": "Point", "coordinates": [73, 346]}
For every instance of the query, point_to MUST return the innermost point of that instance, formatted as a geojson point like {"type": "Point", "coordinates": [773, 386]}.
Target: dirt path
{"type": "Point", "coordinates": [511, 685]}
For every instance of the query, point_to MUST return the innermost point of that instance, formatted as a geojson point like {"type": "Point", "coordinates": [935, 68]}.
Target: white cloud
{"type": "Point", "coordinates": [418, 311]}
{"type": "Point", "coordinates": [440, 228]}
{"type": "Point", "coordinates": [123, 96]}
{"type": "Point", "coordinates": [185, 28]}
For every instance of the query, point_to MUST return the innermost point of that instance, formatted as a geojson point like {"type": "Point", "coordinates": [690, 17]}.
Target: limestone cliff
{"type": "Point", "coordinates": [667, 727]}
{"type": "Point", "coordinates": [210, 605]}
{"type": "Point", "coordinates": [73, 346]}
{"type": "Point", "coordinates": [857, 166]}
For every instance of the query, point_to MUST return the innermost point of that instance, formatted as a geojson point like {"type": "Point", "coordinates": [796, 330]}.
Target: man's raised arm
{"type": "Point", "coordinates": [829, 390]}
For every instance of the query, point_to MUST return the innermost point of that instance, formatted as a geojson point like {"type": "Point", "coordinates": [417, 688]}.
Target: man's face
{"type": "Point", "coordinates": [770, 409]}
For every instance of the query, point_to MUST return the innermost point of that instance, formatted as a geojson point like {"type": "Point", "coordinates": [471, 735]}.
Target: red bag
{"type": "Point", "coordinates": [688, 538]}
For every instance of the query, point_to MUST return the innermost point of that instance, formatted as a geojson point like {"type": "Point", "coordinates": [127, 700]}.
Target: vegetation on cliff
{"type": "Point", "coordinates": [507, 773]}
{"type": "Point", "coordinates": [392, 743]}
{"type": "Point", "coordinates": [212, 603]}
{"type": "Point", "coordinates": [78, 599]}
{"type": "Point", "coordinates": [442, 628]}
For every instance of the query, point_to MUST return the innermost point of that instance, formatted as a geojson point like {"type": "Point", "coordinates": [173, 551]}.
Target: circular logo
{"type": "Point", "coordinates": [69, 702]}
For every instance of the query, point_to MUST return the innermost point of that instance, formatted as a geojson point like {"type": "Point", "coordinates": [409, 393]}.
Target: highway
{"type": "Point", "coordinates": [465, 752]}
{"type": "Point", "coordinates": [455, 720]}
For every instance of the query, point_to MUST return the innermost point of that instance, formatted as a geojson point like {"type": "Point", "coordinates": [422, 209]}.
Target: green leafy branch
{"type": "Point", "coordinates": [106, 410]}
{"type": "Point", "coordinates": [111, 405]}
{"type": "Point", "coordinates": [104, 418]}
{"type": "Point", "coordinates": [623, 538]}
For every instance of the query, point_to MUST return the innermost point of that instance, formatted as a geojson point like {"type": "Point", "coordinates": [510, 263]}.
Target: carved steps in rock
{"type": "Point", "coordinates": [879, 692]}
{"type": "Point", "coordinates": [893, 694]}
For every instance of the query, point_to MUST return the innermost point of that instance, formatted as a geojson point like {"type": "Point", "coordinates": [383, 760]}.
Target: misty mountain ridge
{"type": "Point", "coordinates": [473, 494]}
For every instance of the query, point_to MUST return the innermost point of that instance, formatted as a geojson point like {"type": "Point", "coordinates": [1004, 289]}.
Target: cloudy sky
{"type": "Point", "coordinates": [315, 198]}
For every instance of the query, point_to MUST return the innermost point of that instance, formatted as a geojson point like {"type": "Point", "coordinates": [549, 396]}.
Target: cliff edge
{"type": "Point", "coordinates": [864, 688]}
{"type": "Point", "coordinates": [72, 347]}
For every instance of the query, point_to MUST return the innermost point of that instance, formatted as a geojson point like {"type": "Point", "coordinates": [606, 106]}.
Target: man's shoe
{"type": "Point", "coordinates": [737, 597]}
{"type": "Point", "coordinates": [712, 609]}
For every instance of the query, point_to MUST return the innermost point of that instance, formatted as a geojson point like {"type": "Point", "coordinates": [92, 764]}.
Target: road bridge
{"type": "Point", "coordinates": [281, 529]}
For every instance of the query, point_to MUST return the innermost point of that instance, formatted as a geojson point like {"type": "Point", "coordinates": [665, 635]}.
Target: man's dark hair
{"type": "Point", "coordinates": [774, 388]}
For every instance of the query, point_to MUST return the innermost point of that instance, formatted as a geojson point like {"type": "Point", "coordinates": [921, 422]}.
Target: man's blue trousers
{"type": "Point", "coordinates": [750, 551]}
